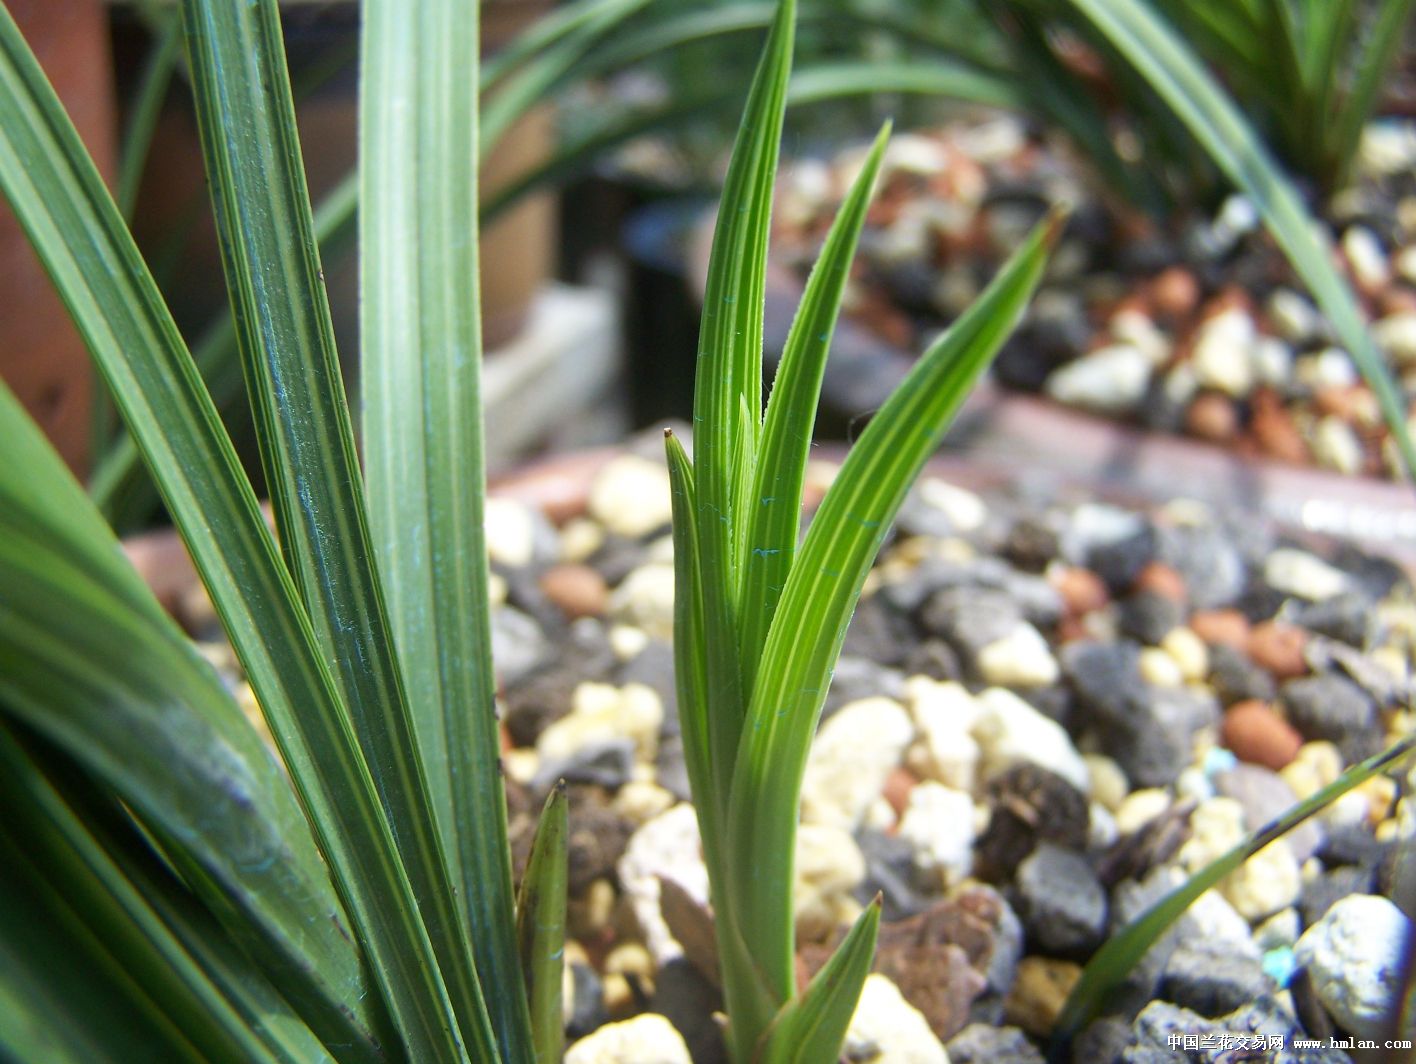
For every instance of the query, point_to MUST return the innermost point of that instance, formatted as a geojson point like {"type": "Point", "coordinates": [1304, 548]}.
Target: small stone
{"type": "Point", "coordinates": [1226, 626]}
{"type": "Point", "coordinates": [510, 529]}
{"type": "Point", "coordinates": [1396, 334]}
{"type": "Point", "coordinates": [646, 1039]}
{"type": "Point", "coordinates": [983, 1043]}
{"type": "Point", "coordinates": [944, 713]}
{"type": "Point", "coordinates": [1211, 979]}
{"type": "Point", "coordinates": [1019, 659]}
{"type": "Point", "coordinates": [1112, 380]}
{"type": "Point", "coordinates": [1296, 319]}
{"type": "Point", "coordinates": [1296, 572]}
{"type": "Point", "coordinates": [645, 600]}
{"type": "Point", "coordinates": [1336, 446]}
{"type": "Point", "coordinates": [1235, 678]}
{"type": "Point", "coordinates": [1189, 653]}
{"type": "Point", "coordinates": [1108, 782]}
{"type": "Point", "coordinates": [578, 590]}
{"type": "Point", "coordinates": [1147, 617]}
{"type": "Point", "coordinates": [1259, 735]}
{"type": "Point", "coordinates": [1060, 901]}
{"type": "Point", "coordinates": [939, 823]}
{"type": "Point", "coordinates": [1027, 805]}
{"type": "Point", "coordinates": [1265, 796]}
{"type": "Point", "coordinates": [1221, 353]}
{"type": "Point", "coordinates": [1370, 268]}
{"type": "Point", "coordinates": [1159, 668]}
{"type": "Point", "coordinates": [1038, 994]}
{"type": "Point", "coordinates": [1082, 590]}
{"type": "Point", "coordinates": [1278, 647]}
{"type": "Point", "coordinates": [1353, 957]}
{"type": "Point", "coordinates": [849, 761]}
{"type": "Point", "coordinates": [666, 847]}
{"type": "Point", "coordinates": [1008, 730]}
{"type": "Point", "coordinates": [1331, 707]}
{"type": "Point", "coordinates": [1175, 292]}
{"type": "Point", "coordinates": [887, 1029]}
{"type": "Point", "coordinates": [828, 866]}
{"type": "Point", "coordinates": [631, 497]}
{"type": "Point", "coordinates": [1272, 361]}
{"type": "Point", "coordinates": [1140, 808]}
{"type": "Point", "coordinates": [1274, 430]}
{"type": "Point", "coordinates": [602, 712]}
{"type": "Point", "coordinates": [1331, 369]}
{"type": "Point", "coordinates": [1212, 416]}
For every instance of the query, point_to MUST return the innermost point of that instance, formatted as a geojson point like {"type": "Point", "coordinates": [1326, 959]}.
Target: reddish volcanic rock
{"type": "Point", "coordinates": [1255, 733]}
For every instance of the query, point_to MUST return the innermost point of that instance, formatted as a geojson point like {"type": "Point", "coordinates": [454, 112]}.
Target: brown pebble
{"type": "Point", "coordinates": [1175, 292]}
{"type": "Point", "coordinates": [1255, 733]}
{"type": "Point", "coordinates": [1227, 627]}
{"type": "Point", "coordinates": [1039, 992]}
{"type": "Point", "coordinates": [1160, 579]}
{"type": "Point", "coordinates": [1274, 430]}
{"type": "Point", "coordinates": [1081, 589]}
{"type": "Point", "coordinates": [1212, 417]}
{"type": "Point", "coordinates": [578, 590]}
{"type": "Point", "coordinates": [1278, 647]}
{"type": "Point", "coordinates": [1230, 297]}
{"type": "Point", "coordinates": [898, 785]}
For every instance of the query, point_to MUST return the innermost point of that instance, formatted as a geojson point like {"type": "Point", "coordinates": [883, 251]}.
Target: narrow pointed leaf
{"type": "Point", "coordinates": [1109, 966]}
{"type": "Point", "coordinates": [421, 366]}
{"type": "Point", "coordinates": [247, 122]}
{"type": "Point", "coordinates": [775, 501]}
{"type": "Point", "coordinates": [64, 999]}
{"type": "Point", "coordinates": [821, 593]}
{"type": "Point", "coordinates": [728, 388]}
{"type": "Point", "coordinates": [61, 202]}
{"type": "Point", "coordinates": [88, 658]}
{"type": "Point", "coordinates": [57, 841]}
{"type": "Point", "coordinates": [690, 654]}
{"type": "Point", "coordinates": [1167, 63]}
{"type": "Point", "coordinates": [540, 927]}
{"type": "Point", "coordinates": [812, 1027]}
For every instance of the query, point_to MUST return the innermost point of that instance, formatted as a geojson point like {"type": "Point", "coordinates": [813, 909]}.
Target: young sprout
{"type": "Point", "coordinates": [758, 619]}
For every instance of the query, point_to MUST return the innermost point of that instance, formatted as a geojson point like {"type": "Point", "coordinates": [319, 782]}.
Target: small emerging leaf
{"type": "Point", "coordinates": [540, 927]}
{"type": "Point", "coordinates": [812, 1027]}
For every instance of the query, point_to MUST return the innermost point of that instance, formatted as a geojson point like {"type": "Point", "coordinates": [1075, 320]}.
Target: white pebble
{"type": "Point", "coordinates": [631, 497]}
{"type": "Point", "coordinates": [510, 530]}
{"type": "Point", "coordinates": [1296, 572]}
{"type": "Point", "coordinates": [1021, 658]}
{"type": "Point", "coordinates": [853, 753]}
{"type": "Point", "coordinates": [667, 846]}
{"type": "Point", "coordinates": [1396, 335]}
{"type": "Point", "coordinates": [646, 1039]}
{"type": "Point", "coordinates": [602, 711]}
{"type": "Point", "coordinates": [1159, 668]}
{"type": "Point", "coordinates": [1353, 956]}
{"type": "Point", "coordinates": [938, 823]}
{"type": "Point", "coordinates": [1221, 357]}
{"type": "Point", "coordinates": [1009, 730]}
{"type": "Point", "coordinates": [943, 714]}
{"type": "Point", "coordinates": [645, 599]}
{"type": "Point", "coordinates": [887, 1029]}
{"type": "Point", "coordinates": [1336, 446]}
{"type": "Point", "coordinates": [1112, 380]}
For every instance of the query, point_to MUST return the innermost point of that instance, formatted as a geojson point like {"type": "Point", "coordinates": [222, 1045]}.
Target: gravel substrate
{"type": "Point", "coordinates": [1201, 331]}
{"type": "Point", "coordinates": [1048, 710]}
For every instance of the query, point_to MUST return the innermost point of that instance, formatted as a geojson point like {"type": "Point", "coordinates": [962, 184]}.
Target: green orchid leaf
{"type": "Point", "coordinates": [540, 927]}
{"type": "Point", "coordinates": [421, 372]}
{"type": "Point", "coordinates": [728, 388]}
{"type": "Point", "coordinates": [812, 1027]}
{"type": "Point", "coordinates": [1108, 968]}
{"type": "Point", "coordinates": [88, 658]}
{"type": "Point", "coordinates": [775, 500]}
{"type": "Point", "coordinates": [60, 200]}
{"type": "Point", "coordinates": [140, 931]}
{"type": "Point", "coordinates": [821, 593]}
